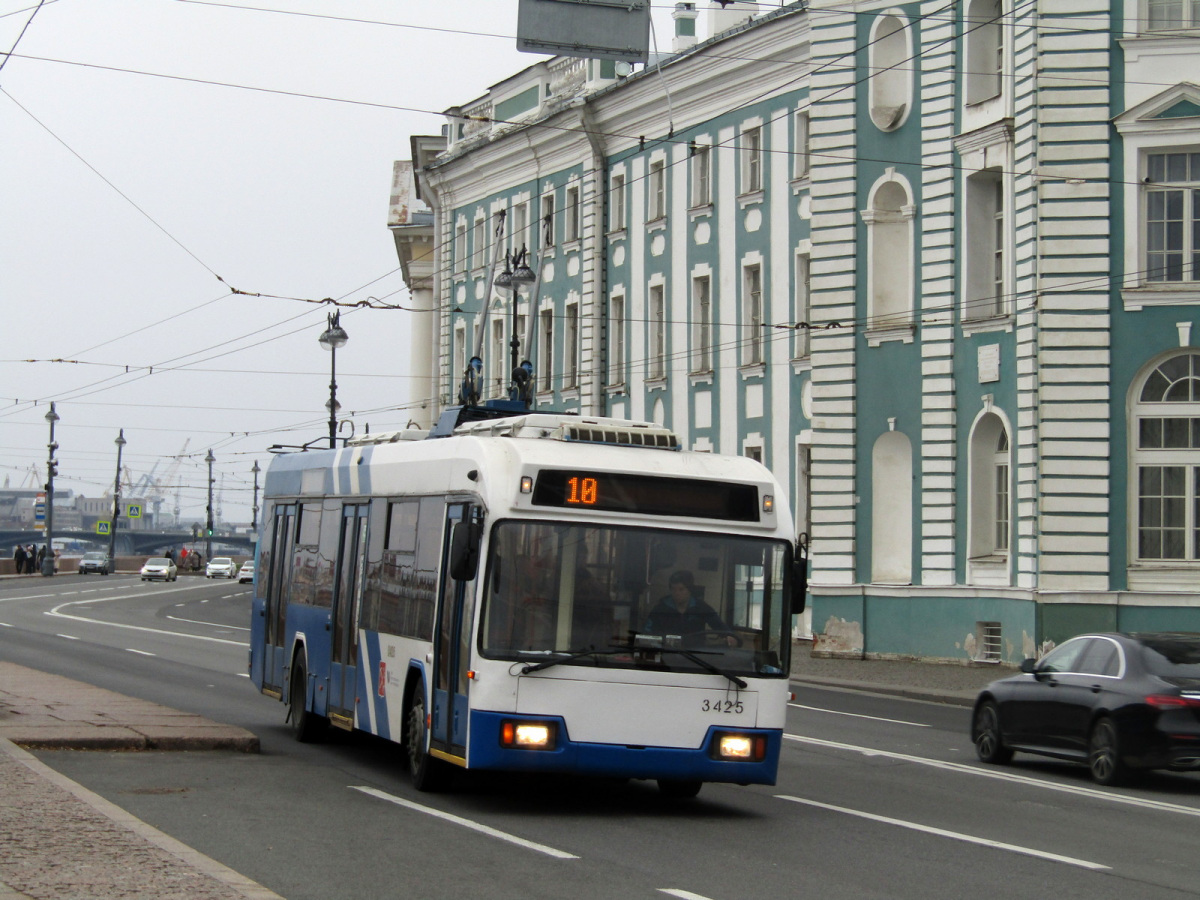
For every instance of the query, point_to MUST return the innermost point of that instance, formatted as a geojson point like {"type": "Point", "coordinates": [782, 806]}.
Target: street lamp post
{"type": "Point", "coordinates": [254, 515]}
{"type": "Point", "coordinates": [334, 337]}
{"type": "Point", "coordinates": [517, 275]}
{"type": "Point", "coordinates": [208, 528]}
{"type": "Point", "coordinates": [51, 471]}
{"type": "Point", "coordinates": [116, 507]}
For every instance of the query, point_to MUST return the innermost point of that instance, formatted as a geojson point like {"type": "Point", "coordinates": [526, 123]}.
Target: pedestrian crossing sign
{"type": "Point", "coordinates": [103, 528]}
{"type": "Point", "coordinates": [134, 511]}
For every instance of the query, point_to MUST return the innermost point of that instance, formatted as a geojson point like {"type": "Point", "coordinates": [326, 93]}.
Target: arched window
{"type": "Point", "coordinates": [891, 509]}
{"type": "Point", "coordinates": [1166, 462]}
{"type": "Point", "coordinates": [889, 219]}
{"type": "Point", "coordinates": [989, 534]}
{"type": "Point", "coordinates": [891, 73]}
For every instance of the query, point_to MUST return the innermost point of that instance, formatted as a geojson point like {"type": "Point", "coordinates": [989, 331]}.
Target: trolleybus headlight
{"type": "Point", "coordinates": [527, 735]}
{"type": "Point", "coordinates": [750, 748]}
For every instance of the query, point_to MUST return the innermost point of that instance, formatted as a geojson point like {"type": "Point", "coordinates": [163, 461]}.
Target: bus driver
{"type": "Point", "coordinates": [681, 612]}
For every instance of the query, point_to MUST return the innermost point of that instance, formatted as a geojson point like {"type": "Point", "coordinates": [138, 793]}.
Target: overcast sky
{"type": "Point", "coordinates": [141, 180]}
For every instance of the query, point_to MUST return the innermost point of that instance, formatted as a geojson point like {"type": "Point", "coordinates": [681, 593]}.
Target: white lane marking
{"type": "Point", "coordinates": [952, 835]}
{"type": "Point", "coordinates": [466, 823]}
{"type": "Point", "coordinates": [210, 624]}
{"type": "Point", "coordinates": [5, 624]}
{"type": "Point", "coordinates": [838, 712]}
{"type": "Point", "coordinates": [964, 769]}
{"type": "Point", "coordinates": [69, 637]}
{"type": "Point", "coordinates": [682, 895]}
{"type": "Point", "coordinates": [56, 612]}
{"type": "Point", "coordinates": [69, 593]}
{"type": "Point", "coordinates": [243, 674]}
{"type": "Point", "coordinates": [139, 652]}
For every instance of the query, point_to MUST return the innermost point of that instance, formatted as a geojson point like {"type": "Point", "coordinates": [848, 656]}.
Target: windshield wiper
{"type": "Point", "coordinates": [705, 664]}
{"type": "Point", "coordinates": [570, 657]}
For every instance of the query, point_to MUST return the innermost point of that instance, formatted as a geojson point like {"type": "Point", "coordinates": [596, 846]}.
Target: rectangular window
{"type": "Point", "coordinates": [752, 349]}
{"type": "Point", "coordinates": [702, 176]}
{"type": "Point", "coordinates": [1002, 513]}
{"type": "Point", "coordinates": [754, 453]}
{"type": "Point", "coordinates": [548, 220]}
{"type": "Point", "coordinates": [1168, 15]}
{"type": "Point", "coordinates": [498, 360]}
{"type": "Point", "coordinates": [574, 215]}
{"type": "Point", "coordinates": [520, 225]}
{"type": "Point", "coordinates": [546, 350]}
{"type": "Point", "coordinates": [460, 355]}
{"type": "Point", "coordinates": [1162, 511]}
{"type": "Point", "coordinates": [480, 258]}
{"type": "Point", "coordinates": [616, 205]}
{"type": "Point", "coordinates": [986, 234]}
{"type": "Point", "coordinates": [800, 151]}
{"type": "Point", "coordinates": [616, 340]}
{"type": "Point", "coordinates": [461, 253]}
{"type": "Point", "coordinates": [571, 347]}
{"type": "Point", "coordinates": [657, 186]}
{"type": "Point", "coordinates": [802, 313]}
{"type": "Point", "coordinates": [658, 333]}
{"type": "Point", "coordinates": [752, 160]}
{"type": "Point", "coordinates": [1173, 217]}
{"type": "Point", "coordinates": [701, 324]}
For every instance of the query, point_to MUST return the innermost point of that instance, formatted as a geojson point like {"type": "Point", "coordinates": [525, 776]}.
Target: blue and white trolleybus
{"type": "Point", "coordinates": [534, 593]}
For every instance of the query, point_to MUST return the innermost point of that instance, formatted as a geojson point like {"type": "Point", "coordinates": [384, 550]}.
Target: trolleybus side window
{"type": "Point", "coordinates": [411, 556]}
{"type": "Point", "coordinates": [304, 576]}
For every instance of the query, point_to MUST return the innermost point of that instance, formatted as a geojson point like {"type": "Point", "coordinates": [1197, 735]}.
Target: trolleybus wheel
{"type": "Point", "coordinates": [679, 790]}
{"type": "Point", "coordinates": [307, 727]}
{"type": "Point", "coordinates": [428, 774]}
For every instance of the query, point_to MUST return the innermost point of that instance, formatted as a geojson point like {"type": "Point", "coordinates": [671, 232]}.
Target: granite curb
{"type": "Point", "coordinates": [48, 712]}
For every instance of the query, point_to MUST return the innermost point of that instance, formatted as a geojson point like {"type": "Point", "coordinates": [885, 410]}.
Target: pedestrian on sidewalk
{"type": "Point", "coordinates": [19, 559]}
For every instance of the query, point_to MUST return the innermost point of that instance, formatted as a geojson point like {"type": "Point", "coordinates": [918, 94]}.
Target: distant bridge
{"type": "Point", "coordinates": [129, 543]}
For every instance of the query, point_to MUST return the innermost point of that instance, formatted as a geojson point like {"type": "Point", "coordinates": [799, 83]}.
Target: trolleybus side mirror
{"type": "Point", "coordinates": [799, 585]}
{"type": "Point", "coordinates": [464, 550]}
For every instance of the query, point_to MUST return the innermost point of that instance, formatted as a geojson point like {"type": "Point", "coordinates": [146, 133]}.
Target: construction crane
{"type": "Point", "coordinates": [165, 483]}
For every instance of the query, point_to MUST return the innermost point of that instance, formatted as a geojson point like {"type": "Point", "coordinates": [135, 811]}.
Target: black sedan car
{"type": "Point", "coordinates": [1115, 702]}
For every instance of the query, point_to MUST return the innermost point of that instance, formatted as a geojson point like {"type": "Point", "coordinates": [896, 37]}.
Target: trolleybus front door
{"type": "Point", "coordinates": [452, 651]}
{"type": "Point", "coordinates": [279, 585]}
{"type": "Point", "coordinates": [347, 601]}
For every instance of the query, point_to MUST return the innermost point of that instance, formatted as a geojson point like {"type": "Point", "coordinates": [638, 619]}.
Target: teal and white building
{"type": "Point", "coordinates": [937, 266]}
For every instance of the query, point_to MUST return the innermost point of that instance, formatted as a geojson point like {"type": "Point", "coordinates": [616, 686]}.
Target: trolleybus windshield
{"type": "Point", "coordinates": [605, 596]}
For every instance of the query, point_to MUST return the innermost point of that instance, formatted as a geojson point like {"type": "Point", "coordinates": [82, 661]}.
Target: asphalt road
{"type": "Point", "coordinates": [877, 797]}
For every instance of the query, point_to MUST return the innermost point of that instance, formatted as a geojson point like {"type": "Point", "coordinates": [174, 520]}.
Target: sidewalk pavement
{"type": "Point", "coordinates": [59, 840]}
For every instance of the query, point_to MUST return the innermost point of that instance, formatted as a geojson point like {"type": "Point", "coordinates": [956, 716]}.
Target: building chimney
{"type": "Point", "coordinates": [726, 14]}
{"type": "Point", "coordinates": [685, 27]}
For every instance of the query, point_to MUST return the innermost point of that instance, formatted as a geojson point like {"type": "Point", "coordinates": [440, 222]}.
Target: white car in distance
{"type": "Point", "coordinates": [220, 567]}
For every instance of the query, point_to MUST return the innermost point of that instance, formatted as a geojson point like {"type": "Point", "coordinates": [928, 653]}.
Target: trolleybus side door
{"type": "Point", "coordinates": [452, 648]}
{"type": "Point", "coordinates": [279, 580]}
{"type": "Point", "coordinates": [347, 601]}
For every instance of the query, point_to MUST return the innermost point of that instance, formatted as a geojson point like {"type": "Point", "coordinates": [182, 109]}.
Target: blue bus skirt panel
{"type": "Point", "coordinates": [617, 760]}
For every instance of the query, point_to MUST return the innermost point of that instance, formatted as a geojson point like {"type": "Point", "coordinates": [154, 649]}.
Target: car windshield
{"type": "Point", "coordinates": [1171, 656]}
{"type": "Point", "coordinates": [157, 562]}
{"type": "Point", "coordinates": [93, 556]}
{"type": "Point", "coordinates": [222, 561]}
{"type": "Point", "coordinates": [626, 597]}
